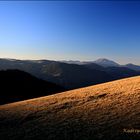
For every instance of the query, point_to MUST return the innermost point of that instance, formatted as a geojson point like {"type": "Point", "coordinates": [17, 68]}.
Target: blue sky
{"type": "Point", "coordinates": [70, 30]}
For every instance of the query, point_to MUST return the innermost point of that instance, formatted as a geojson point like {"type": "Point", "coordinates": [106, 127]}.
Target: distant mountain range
{"type": "Point", "coordinates": [16, 85]}
{"type": "Point", "coordinates": [72, 74]}
{"type": "Point", "coordinates": [104, 63]}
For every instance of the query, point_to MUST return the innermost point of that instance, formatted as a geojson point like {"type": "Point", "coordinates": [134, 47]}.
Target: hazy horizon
{"type": "Point", "coordinates": [61, 60]}
{"type": "Point", "coordinates": [79, 30]}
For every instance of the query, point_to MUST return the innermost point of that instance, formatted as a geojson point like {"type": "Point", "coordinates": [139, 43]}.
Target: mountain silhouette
{"type": "Point", "coordinates": [17, 85]}
{"type": "Point", "coordinates": [133, 67]}
{"type": "Point", "coordinates": [105, 62]}
{"type": "Point", "coordinates": [75, 76]}
{"type": "Point", "coordinates": [70, 76]}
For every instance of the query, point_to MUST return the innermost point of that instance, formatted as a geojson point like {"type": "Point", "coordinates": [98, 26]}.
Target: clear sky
{"type": "Point", "coordinates": [70, 30]}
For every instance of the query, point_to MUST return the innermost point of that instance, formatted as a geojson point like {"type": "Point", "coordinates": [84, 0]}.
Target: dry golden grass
{"type": "Point", "coordinates": [105, 111]}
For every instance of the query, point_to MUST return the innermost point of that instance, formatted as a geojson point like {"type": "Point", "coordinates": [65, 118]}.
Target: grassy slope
{"type": "Point", "coordinates": [96, 112]}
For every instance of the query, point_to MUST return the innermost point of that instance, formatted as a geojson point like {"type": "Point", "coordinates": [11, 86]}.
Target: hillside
{"type": "Point", "coordinates": [16, 85]}
{"type": "Point", "coordinates": [101, 112]}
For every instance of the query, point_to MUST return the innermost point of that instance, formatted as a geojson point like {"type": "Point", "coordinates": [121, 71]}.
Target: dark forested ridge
{"type": "Point", "coordinates": [17, 85]}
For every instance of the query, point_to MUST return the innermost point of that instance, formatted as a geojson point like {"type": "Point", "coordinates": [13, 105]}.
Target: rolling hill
{"type": "Point", "coordinates": [109, 111]}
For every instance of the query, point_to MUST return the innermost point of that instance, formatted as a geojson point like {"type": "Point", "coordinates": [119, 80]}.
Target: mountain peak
{"type": "Point", "coordinates": [133, 66]}
{"type": "Point", "coordinates": [106, 62]}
